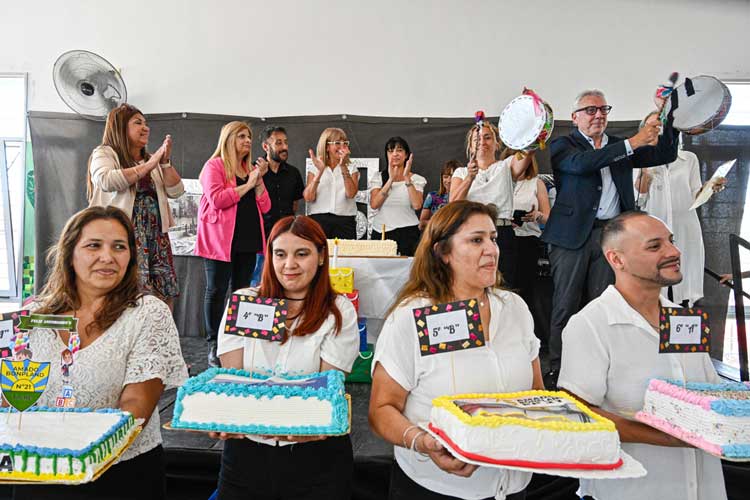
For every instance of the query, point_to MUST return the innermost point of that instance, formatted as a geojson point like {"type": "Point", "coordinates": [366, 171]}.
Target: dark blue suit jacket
{"type": "Point", "coordinates": [576, 165]}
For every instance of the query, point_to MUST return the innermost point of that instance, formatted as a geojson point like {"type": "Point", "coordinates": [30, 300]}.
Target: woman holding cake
{"type": "Point", "coordinates": [322, 335]}
{"type": "Point", "coordinates": [456, 259]}
{"type": "Point", "coordinates": [332, 185]}
{"type": "Point", "coordinates": [396, 194]}
{"type": "Point", "coordinates": [490, 181]}
{"type": "Point", "coordinates": [230, 222]}
{"type": "Point", "coordinates": [129, 348]}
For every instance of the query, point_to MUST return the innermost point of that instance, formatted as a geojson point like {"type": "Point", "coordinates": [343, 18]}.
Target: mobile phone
{"type": "Point", "coordinates": [518, 217]}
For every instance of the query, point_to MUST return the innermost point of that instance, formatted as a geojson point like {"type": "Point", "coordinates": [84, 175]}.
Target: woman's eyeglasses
{"type": "Point", "coordinates": [338, 144]}
{"type": "Point", "coordinates": [591, 110]}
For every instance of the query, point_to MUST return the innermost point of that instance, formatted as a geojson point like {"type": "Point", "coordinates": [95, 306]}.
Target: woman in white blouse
{"type": "Point", "coordinates": [489, 181]}
{"type": "Point", "coordinates": [455, 260]}
{"type": "Point", "coordinates": [396, 193]}
{"type": "Point", "coordinates": [324, 336]}
{"type": "Point", "coordinates": [332, 185]}
{"type": "Point", "coordinates": [129, 348]}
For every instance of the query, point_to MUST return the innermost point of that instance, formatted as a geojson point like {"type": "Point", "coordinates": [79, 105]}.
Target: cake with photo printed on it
{"type": "Point", "coordinates": [533, 429]}
{"type": "Point", "coordinates": [712, 417]}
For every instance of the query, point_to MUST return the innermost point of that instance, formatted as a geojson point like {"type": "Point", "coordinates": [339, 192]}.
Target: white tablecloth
{"type": "Point", "coordinates": [378, 280]}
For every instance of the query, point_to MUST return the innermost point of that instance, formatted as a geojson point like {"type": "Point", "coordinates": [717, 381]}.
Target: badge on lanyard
{"type": "Point", "coordinates": [451, 327]}
{"type": "Point", "coordinates": [683, 330]}
{"type": "Point", "coordinates": [256, 317]}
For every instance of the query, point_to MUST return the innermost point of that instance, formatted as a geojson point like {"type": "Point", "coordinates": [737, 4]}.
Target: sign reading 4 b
{"type": "Point", "coordinates": [23, 382]}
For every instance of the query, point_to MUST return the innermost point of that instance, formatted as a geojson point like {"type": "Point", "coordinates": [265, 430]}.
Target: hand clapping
{"type": "Point", "coordinates": [407, 171]}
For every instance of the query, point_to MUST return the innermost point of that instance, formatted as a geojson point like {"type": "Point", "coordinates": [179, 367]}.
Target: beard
{"type": "Point", "coordinates": [658, 278]}
{"type": "Point", "coordinates": [276, 155]}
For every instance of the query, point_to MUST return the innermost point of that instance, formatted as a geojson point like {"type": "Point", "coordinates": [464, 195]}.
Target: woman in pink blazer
{"type": "Point", "coordinates": [230, 222]}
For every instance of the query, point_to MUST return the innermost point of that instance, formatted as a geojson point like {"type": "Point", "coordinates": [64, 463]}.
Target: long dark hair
{"type": "Point", "coordinates": [321, 299]}
{"type": "Point", "coordinates": [116, 137]}
{"type": "Point", "coordinates": [390, 145]}
{"type": "Point", "coordinates": [60, 293]}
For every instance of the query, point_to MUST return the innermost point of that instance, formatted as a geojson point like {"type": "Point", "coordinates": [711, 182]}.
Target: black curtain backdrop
{"type": "Point", "coordinates": [62, 143]}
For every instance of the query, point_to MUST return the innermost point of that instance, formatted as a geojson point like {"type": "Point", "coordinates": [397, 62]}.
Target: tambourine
{"type": "Point", "coordinates": [526, 123]}
{"type": "Point", "coordinates": [698, 104]}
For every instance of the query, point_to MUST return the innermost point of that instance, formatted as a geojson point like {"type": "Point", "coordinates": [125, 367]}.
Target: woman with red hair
{"type": "Point", "coordinates": [321, 334]}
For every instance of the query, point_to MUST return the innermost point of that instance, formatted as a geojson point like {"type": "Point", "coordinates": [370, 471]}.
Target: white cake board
{"type": "Point", "coordinates": [630, 468]}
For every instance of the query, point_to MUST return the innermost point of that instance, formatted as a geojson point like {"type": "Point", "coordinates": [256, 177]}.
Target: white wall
{"type": "Point", "coordinates": [382, 57]}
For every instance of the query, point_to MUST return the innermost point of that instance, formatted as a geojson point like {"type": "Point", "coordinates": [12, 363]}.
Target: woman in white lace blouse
{"type": "Point", "coordinates": [129, 350]}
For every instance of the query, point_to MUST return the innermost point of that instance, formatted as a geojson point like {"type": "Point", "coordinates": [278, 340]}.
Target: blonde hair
{"type": "Point", "coordinates": [330, 134]}
{"type": "Point", "coordinates": [495, 134]}
{"type": "Point", "coordinates": [226, 149]}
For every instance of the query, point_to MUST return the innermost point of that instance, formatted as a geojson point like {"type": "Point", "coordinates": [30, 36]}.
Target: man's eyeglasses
{"type": "Point", "coordinates": [591, 110]}
{"type": "Point", "coordinates": [338, 144]}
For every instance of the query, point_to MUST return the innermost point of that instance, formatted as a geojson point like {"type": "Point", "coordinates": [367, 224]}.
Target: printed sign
{"type": "Point", "coordinates": [256, 317]}
{"type": "Point", "coordinates": [455, 326]}
{"type": "Point", "coordinates": [51, 321]}
{"type": "Point", "coordinates": [683, 330]}
{"type": "Point", "coordinates": [8, 331]}
{"type": "Point", "coordinates": [23, 382]}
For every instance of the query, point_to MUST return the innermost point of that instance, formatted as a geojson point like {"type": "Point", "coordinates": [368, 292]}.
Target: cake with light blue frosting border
{"type": "Point", "coordinates": [236, 401]}
{"type": "Point", "coordinates": [712, 417]}
{"type": "Point", "coordinates": [62, 445]}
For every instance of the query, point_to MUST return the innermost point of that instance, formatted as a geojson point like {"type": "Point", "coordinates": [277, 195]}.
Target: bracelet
{"type": "Point", "coordinates": [403, 436]}
{"type": "Point", "coordinates": [408, 184]}
{"type": "Point", "coordinates": [137, 174]}
{"type": "Point", "coordinates": [165, 166]}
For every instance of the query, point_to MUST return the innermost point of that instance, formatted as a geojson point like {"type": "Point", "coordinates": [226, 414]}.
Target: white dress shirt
{"type": "Point", "coordinates": [331, 195]}
{"type": "Point", "coordinates": [503, 365]}
{"type": "Point", "coordinates": [492, 186]}
{"type": "Point", "coordinates": [609, 203]}
{"type": "Point", "coordinates": [610, 352]}
{"type": "Point", "coordinates": [396, 211]}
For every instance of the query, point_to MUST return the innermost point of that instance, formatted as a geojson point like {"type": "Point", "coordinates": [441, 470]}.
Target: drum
{"type": "Point", "coordinates": [526, 123]}
{"type": "Point", "coordinates": [699, 104]}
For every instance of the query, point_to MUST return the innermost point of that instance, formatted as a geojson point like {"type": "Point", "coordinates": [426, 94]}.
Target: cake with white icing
{"type": "Point", "coordinates": [365, 248]}
{"type": "Point", "coordinates": [55, 446]}
{"type": "Point", "coordinates": [230, 400]}
{"type": "Point", "coordinates": [535, 429]}
{"type": "Point", "coordinates": [713, 417]}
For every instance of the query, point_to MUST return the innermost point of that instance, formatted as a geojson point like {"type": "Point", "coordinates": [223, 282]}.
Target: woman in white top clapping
{"type": "Point", "coordinates": [489, 181]}
{"type": "Point", "coordinates": [396, 193]}
{"type": "Point", "coordinates": [322, 335]}
{"type": "Point", "coordinates": [332, 184]}
{"type": "Point", "coordinates": [456, 260]}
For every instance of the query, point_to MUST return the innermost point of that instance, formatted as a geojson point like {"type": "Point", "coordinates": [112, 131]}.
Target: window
{"type": "Point", "coordinates": [12, 174]}
{"type": "Point", "coordinates": [739, 113]}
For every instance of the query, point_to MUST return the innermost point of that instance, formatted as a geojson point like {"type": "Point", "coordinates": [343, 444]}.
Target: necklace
{"type": "Point", "coordinates": [289, 298]}
{"type": "Point", "coordinates": [482, 301]}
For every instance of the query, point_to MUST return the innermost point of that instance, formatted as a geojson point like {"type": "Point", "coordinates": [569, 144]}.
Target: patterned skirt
{"type": "Point", "coordinates": [156, 273]}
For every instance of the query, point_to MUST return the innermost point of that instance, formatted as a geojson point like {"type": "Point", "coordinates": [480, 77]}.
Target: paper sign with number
{"type": "Point", "coordinates": [256, 317]}
{"type": "Point", "coordinates": [448, 327]}
{"type": "Point", "coordinates": [8, 330]}
{"type": "Point", "coordinates": [683, 330]}
{"type": "Point", "coordinates": [23, 382]}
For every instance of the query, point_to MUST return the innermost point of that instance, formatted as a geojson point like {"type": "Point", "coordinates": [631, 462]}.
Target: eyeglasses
{"type": "Point", "coordinates": [591, 110]}
{"type": "Point", "coordinates": [338, 144]}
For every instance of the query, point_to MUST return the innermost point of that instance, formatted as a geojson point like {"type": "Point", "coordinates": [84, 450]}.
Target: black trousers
{"type": "Point", "coordinates": [141, 477]}
{"type": "Point", "coordinates": [337, 226]}
{"type": "Point", "coordinates": [219, 275]}
{"type": "Point", "coordinates": [305, 471]}
{"type": "Point", "coordinates": [403, 488]}
{"type": "Point", "coordinates": [406, 238]}
{"type": "Point", "coordinates": [578, 276]}
{"type": "Point", "coordinates": [508, 263]}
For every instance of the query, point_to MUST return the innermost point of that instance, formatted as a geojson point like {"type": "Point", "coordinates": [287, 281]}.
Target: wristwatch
{"type": "Point", "coordinates": [165, 166]}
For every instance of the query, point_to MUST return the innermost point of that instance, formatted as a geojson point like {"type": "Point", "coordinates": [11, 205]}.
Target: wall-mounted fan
{"type": "Point", "coordinates": [88, 84]}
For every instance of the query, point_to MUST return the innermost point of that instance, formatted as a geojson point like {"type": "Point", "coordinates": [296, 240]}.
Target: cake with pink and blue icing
{"type": "Point", "coordinates": [713, 417]}
{"type": "Point", "coordinates": [236, 401]}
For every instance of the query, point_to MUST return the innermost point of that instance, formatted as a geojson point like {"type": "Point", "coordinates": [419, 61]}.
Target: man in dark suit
{"type": "Point", "coordinates": [594, 180]}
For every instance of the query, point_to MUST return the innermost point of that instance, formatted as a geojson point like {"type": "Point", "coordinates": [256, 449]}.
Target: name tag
{"type": "Point", "coordinates": [683, 330]}
{"type": "Point", "coordinates": [256, 317]}
{"type": "Point", "coordinates": [455, 326]}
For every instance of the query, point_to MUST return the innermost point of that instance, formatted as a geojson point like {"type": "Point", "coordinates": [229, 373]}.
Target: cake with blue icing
{"type": "Point", "coordinates": [55, 445]}
{"type": "Point", "coordinates": [236, 401]}
{"type": "Point", "coordinates": [713, 417]}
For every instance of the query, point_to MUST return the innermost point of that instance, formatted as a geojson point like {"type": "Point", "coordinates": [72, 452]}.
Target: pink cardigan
{"type": "Point", "coordinates": [218, 212]}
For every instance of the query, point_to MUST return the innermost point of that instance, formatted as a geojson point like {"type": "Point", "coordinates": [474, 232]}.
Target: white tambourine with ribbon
{"type": "Point", "coordinates": [698, 105]}
{"type": "Point", "coordinates": [526, 123]}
